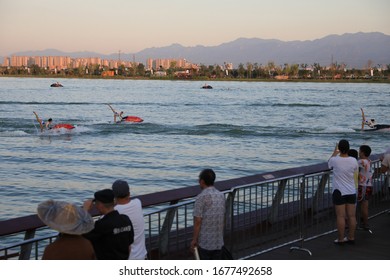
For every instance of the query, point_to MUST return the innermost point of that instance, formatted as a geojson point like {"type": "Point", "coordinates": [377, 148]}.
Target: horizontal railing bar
{"type": "Point", "coordinates": [267, 182]}
{"type": "Point", "coordinates": [28, 241]}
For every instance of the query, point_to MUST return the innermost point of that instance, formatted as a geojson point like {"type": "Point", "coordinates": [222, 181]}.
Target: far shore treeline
{"type": "Point", "coordinates": [247, 72]}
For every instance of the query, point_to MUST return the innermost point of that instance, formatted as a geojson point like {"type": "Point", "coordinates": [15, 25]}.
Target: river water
{"type": "Point", "coordinates": [236, 128]}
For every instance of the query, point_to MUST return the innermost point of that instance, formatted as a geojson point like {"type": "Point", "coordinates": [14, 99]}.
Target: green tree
{"type": "Point", "coordinates": [317, 70]}
{"type": "Point", "coordinates": [294, 69]}
{"type": "Point", "coordinates": [241, 71]}
{"type": "Point", "coordinates": [271, 69]}
{"type": "Point", "coordinates": [249, 68]}
{"type": "Point", "coordinates": [203, 71]}
{"type": "Point", "coordinates": [36, 70]}
{"type": "Point", "coordinates": [141, 70]}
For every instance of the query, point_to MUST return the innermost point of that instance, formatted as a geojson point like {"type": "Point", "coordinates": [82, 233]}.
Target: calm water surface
{"type": "Point", "coordinates": [237, 128]}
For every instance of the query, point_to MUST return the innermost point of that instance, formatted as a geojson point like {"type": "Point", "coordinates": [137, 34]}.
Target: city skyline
{"type": "Point", "coordinates": [109, 26]}
{"type": "Point", "coordinates": [66, 62]}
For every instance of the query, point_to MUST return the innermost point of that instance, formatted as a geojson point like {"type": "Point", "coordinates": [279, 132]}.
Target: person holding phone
{"type": "Point", "coordinates": [344, 191]}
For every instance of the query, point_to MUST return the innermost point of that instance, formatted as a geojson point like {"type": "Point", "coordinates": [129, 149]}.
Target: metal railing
{"type": "Point", "coordinates": [263, 212]}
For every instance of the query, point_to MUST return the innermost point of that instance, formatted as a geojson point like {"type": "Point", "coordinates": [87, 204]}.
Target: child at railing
{"type": "Point", "coordinates": [365, 184]}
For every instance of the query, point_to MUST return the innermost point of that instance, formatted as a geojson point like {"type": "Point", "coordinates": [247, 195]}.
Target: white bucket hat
{"type": "Point", "coordinates": [65, 217]}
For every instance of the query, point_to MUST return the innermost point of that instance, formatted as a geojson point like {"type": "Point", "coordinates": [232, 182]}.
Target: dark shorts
{"type": "Point", "coordinates": [209, 254]}
{"type": "Point", "coordinates": [339, 199]}
{"type": "Point", "coordinates": [364, 196]}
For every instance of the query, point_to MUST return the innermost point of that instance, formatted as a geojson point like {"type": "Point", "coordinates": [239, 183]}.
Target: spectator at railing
{"type": "Point", "coordinates": [113, 233]}
{"type": "Point", "coordinates": [355, 154]}
{"type": "Point", "coordinates": [131, 207]}
{"type": "Point", "coordinates": [385, 159]}
{"type": "Point", "coordinates": [71, 221]}
{"type": "Point", "coordinates": [209, 214]}
{"type": "Point", "coordinates": [365, 184]}
{"type": "Point", "coordinates": [344, 191]}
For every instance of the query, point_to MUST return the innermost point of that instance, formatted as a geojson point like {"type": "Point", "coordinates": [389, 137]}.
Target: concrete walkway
{"type": "Point", "coordinates": [375, 246]}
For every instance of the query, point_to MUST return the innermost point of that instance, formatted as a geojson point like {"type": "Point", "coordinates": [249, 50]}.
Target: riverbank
{"type": "Point", "coordinates": [375, 80]}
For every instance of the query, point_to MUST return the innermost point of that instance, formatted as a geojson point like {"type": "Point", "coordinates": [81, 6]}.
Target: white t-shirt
{"type": "Point", "coordinates": [344, 169]}
{"type": "Point", "coordinates": [133, 209]}
{"type": "Point", "coordinates": [386, 161]}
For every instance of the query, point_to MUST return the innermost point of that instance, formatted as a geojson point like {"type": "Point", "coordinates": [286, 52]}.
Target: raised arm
{"type": "Point", "coordinates": [115, 113]}
{"type": "Point", "coordinates": [335, 151]}
{"type": "Point", "coordinates": [39, 121]}
{"type": "Point", "coordinates": [112, 109]}
{"type": "Point", "coordinates": [363, 118]}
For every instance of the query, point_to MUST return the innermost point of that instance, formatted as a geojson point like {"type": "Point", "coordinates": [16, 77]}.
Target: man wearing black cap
{"type": "Point", "coordinates": [113, 233]}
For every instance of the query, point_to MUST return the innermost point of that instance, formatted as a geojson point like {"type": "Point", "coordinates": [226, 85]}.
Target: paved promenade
{"type": "Point", "coordinates": [375, 246]}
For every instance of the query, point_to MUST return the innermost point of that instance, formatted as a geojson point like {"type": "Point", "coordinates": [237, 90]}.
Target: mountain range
{"type": "Point", "coordinates": [353, 49]}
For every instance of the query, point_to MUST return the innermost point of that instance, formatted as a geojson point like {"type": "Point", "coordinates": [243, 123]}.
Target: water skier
{"type": "Point", "coordinates": [372, 123]}
{"type": "Point", "coordinates": [42, 124]}
{"type": "Point", "coordinates": [116, 114]}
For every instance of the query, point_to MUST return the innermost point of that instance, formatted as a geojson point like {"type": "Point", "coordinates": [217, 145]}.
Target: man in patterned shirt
{"type": "Point", "coordinates": [209, 217]}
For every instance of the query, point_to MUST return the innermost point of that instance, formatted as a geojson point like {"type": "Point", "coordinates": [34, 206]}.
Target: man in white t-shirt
{"type": "Point", "coordinates": [133, 209]}
{"type": "Point", "coordinates": [385, 166]}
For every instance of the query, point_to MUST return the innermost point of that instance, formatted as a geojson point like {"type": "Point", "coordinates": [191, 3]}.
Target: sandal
{"type": "Point", "coordinates": [338, 242]}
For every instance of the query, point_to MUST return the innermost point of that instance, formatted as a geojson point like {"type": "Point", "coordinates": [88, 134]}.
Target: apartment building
{"type": "Point", "coordinates": [65, 62]}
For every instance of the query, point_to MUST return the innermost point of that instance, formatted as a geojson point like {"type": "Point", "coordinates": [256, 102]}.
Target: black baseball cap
{"type": "Point", "coordinates": [104, 196]}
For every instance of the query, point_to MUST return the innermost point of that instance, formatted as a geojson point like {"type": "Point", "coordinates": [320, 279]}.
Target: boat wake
{"type": "Point", "coordinates": [13, 133]}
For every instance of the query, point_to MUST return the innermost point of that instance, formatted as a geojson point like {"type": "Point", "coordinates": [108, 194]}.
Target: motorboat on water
{"type": "Point", "coordinates": [378, 127]}
{"type": "Point", "coordinates": [57, 84]}
{"type": "Point", "coordinates": [206, 86]}
{"type": "Point", "coordinates": [134, 119]}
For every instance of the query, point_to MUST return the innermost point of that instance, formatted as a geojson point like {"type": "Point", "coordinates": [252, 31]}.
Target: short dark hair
{"type": "Point", "coordinates": [208, 176]}
{"type": "Point", "coordinates": [343, 146]}
{"type": "Point", "coordinates": [353, 153]}
{"type": "Point", "coordinates": [366, 150]}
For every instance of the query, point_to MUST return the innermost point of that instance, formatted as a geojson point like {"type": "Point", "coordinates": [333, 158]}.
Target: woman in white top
{"type": "Point", "coordinates": [344, 191]}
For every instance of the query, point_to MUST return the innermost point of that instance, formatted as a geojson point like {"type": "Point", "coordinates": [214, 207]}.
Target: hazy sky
{"type": "Point", "coordinates": [107, 26]}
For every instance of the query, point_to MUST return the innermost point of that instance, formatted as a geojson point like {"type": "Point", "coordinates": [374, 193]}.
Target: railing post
{"type": "Point", "coordinates": [25, 250]}
{"type": "Point", "coordinates": [229, 215]}
{"type": "Point", "coordinates": [276, 201]}
{"type": "Point", "coordinates": [166, 229]}
{"type": "Point", "coordinates": [301, 218]}
{"type": "Point", "coordinates": [319, 194]}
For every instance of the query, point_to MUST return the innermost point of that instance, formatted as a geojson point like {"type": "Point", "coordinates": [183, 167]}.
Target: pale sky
{"type": "Point", "coordinates": [107, 26]}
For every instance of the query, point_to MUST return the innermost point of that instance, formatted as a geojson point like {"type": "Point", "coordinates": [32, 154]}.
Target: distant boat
{"type": "Point", "coordinates": [57, 84]}
{"type": "Point", "coordinates": [206, 86]}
